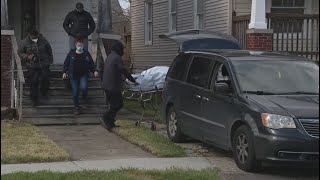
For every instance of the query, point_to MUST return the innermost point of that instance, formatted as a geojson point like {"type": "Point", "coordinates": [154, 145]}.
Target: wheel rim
{"type": "Point", "coordinates": [172, 124]}
{"type": "Point", "coordinates": [242, 148]}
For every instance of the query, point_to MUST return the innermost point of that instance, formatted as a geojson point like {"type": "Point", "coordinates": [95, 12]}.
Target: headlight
{"type": "Point", "coordinates": [277, 121]}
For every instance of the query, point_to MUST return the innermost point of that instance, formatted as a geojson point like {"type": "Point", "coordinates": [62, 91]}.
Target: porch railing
{"type": "Point", "coordinates": [17, 79]}
{"type": "Point", "coordinates": [296, 34]}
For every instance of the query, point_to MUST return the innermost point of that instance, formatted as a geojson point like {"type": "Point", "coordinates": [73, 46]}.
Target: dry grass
{"type": "Point", "coordinates": [150, 141]}
{"type": "Point", "coordinates": [24, 143]}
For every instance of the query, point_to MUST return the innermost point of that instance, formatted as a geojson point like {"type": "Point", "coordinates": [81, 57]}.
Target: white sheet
{"type": "Point", "coordinates": [150, 79]}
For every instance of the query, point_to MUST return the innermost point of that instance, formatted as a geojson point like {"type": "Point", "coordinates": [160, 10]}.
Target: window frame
{"type": "Point", "coordinates": [190, 66]}
{"type": "Point", "coordinates": [148, 22]}
{"type": "Point", "coordinates": [196, 15]}
{"type": "Point", "coordinates": [220, 60]}
{"type": "Point", "coordinates": [172, 15]}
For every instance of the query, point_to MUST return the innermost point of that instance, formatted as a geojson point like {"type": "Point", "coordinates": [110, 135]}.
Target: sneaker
{"type": "Point", "coordinates": [76, 111]}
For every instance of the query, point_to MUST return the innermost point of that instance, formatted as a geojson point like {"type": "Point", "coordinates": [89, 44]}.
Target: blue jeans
{"type": "Point", "coordinates": [75, 84]}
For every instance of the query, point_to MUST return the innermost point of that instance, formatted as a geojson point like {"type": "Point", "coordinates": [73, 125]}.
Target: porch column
{"type": "Point", "coordinates": [4, 15]}
{"type": "Point", "coordinates": [259, 37]}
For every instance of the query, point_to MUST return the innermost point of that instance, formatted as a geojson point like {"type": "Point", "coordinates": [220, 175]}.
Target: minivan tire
{"type": "Point", "coordinates": [178, 136]}
{"type": "Point", "coordinates": [242, 143]}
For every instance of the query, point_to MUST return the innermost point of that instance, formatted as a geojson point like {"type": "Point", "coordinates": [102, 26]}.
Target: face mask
{"type": "Point", "coordinates": [79, 49]}
{"type": "Point", "coordinates": [34, 40]}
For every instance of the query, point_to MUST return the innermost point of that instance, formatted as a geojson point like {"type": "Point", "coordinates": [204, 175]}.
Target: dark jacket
{"type": "Point", "coordinates": [68, 67]}
{"type": "Point", "coordinates": [113, 72]}
{"type": "Point", "coordinates": [41, 50]}
{"type": "Point", "coordinates": [77, 23]}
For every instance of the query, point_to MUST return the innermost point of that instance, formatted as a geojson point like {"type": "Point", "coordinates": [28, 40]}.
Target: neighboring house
{"type": "Point", "coordinates": [48, 16]}
{"type": "Point", "coordinates": [153, 18]}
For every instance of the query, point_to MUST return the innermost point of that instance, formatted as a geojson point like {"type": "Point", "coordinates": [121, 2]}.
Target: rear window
{"type": "Point", "coordinates": [179, 67]}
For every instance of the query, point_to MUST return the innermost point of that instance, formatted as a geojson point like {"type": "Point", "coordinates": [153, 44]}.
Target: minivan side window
{"type": "Point", "coordinates": [200, 71]}
{"type": "Point", "coordinates": [179, 67]}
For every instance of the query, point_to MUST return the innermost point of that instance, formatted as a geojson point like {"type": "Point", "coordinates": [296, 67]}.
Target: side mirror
{"type": "Point", "coordinates": [223, 88]}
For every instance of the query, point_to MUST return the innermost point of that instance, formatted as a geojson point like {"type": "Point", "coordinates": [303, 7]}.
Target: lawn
{"type": "Point", "coordinates": [150, 141]}
{"type": "Point", "coordinates": [135, 106]}
{"type": "Point", "coordinates": [131, 174]}
{"type": "Point", "coordinates": [24, 143]}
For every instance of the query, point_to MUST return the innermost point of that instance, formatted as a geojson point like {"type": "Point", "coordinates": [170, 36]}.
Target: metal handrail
{"type": "Point", "coordinates": [16, 85]}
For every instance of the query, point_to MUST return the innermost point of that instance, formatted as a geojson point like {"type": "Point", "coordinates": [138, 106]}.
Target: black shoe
{"type": "Point", "coordinates": [76, 111]}
{"type": "Point", "coordinates": [105, 125]}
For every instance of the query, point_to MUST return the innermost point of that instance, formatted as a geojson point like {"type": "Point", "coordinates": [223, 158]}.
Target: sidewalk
{"type": "Point", "coordinates": [196, 163]}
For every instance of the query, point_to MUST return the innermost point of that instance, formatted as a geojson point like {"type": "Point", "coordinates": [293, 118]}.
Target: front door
{"type": "Point", "coordinates": [198, 80]}
{"type": "Point", "coordinates": [52, 14]}
{"type": "Point", "coordinates": [28, 16]}
{"type": "Point", "coordinates": [219, 109]}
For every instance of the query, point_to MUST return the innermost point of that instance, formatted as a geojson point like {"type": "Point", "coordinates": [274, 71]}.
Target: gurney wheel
{"type": "Point", "coordinates": [153, 127]}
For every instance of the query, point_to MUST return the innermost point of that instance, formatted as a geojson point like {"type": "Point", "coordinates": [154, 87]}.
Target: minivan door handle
{"type": "Point", "coordinates": [205, 99]}
{"type": "Point", "coordinates": [197, 96]}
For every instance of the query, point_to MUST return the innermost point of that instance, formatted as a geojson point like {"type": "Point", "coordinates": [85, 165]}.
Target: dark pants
{"type": "Point", "coordinates": [38, 76]}
{"type": "Point", "coordinates": [75, 84]}
{"type": "Point", "coordinates": [115, 103]}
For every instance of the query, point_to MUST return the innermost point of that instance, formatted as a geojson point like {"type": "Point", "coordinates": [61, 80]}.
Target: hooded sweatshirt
{"type": "Point", "coordinates": [114, 70]}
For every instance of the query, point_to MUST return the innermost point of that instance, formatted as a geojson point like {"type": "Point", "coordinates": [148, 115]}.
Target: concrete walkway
{"type": "Point", "coordinates": [196, 163]}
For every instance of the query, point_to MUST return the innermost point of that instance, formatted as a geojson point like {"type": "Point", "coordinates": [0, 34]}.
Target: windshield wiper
{"type": "Point", "coordinates": [300, 92]}
{"type": "Point", "coordinates": [259, 92]}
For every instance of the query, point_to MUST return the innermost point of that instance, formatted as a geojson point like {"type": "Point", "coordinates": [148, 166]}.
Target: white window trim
{"type": "Point", "coordinates": [147, 22]}
{"type": "Point", "coordinates": [195, 16]}
{"type": "Point", "coordinates": [171, 17]}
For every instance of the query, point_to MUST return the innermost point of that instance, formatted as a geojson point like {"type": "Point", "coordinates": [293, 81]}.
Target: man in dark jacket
{"type": "Point", "coordinates": [112, 83]}
{"type": "Point", "coordinates": [79, 22]}
{"type": "Point", "coordinates": [36, 51]}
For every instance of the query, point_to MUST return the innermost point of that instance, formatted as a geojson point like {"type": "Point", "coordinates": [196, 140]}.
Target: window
{"type": "Point", "coordinates": [172, 15]}
{"type": "Point", "coordinates": [199, 14]}
{"type": "Point", "coordinates": [287, 7]}
{"type": "Point", "coordinates": [179, 67]}
{"type": "Point", "coordinates": [148, 23]}
{"type": "Point", "coordinates": [200, 72]}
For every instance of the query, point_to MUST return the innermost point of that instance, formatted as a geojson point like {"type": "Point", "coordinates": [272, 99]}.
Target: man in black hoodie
{"type": "Point", "coordinates": [112, 83]}
{"type": "Point", "coordinates": [79, 22]}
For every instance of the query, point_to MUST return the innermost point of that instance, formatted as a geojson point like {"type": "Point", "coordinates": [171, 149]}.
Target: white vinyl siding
{"type": "Point", "coordinates": [148, 22]}
{"type": "Point", "coordinates": [172, 15]}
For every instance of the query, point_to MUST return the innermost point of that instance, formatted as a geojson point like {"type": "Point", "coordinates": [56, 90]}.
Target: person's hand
{"type": "Point", "coordinates": [64, 76]}
{"type": "Point", "coordinates": [30, 56]}
{"type": "Point", "coordinates": [96, 74]}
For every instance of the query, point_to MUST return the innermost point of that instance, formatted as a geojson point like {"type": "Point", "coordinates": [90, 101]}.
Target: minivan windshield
{"type": "Point", "coordinates": [277, 77]}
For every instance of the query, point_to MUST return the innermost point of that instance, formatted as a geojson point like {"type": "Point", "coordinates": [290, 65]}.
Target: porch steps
{"type": "Point", "coordinates": [58, 108]}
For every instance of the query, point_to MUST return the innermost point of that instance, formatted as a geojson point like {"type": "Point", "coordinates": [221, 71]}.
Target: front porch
{"type": "Point", "coordinates": [298, 34]}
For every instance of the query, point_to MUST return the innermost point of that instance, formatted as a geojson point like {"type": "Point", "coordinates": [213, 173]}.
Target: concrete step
{"type": "Point", "coordinates": [71, 119]}
{"type": "Point", "coordinates": [59, 82]}
{"type": "Point", "coordinates": [65, 100]}
{"type": "Point", "coordinates": [63, 91]}
{"type": "Point", "coordinates": [62, 109]}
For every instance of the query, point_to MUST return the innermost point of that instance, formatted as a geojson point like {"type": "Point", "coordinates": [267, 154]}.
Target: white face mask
{"type": "Point", "coordinates": [79, 48]}
{"type": "Point", "coordinates": [34, 40]}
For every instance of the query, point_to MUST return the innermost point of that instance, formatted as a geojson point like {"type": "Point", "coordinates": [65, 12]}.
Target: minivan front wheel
{"type": "Point", "coordinates": [243, 150]}
{"type": "Point", "coordinates": [173, 128]}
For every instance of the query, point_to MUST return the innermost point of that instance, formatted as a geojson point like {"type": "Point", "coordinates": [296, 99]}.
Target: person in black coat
{"type": "Point", "coordinates": [112, 83]}
{"type": "Point", "coordinates": [79, 22]}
